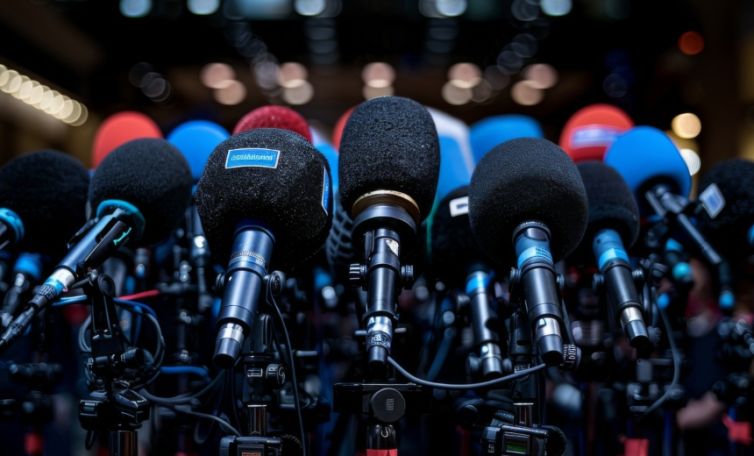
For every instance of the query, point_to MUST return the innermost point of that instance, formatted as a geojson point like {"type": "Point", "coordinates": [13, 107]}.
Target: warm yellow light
{"type": "Point", "coordinates": [465, 75]}
{"type": "Point", "coordinates": [686, 125]}
{"type": "Point", "coordinates": [526, 95]}
{"type": "Point", "coordinates": [455, 95]}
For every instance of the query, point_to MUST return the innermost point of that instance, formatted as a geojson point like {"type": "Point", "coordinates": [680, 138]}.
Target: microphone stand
{"type": "Point", "coordinates": [264, 376]}
{"type": "Point", "coordinates": [385, 226]}
{"type": "Point", "coordinates": [113, 406]}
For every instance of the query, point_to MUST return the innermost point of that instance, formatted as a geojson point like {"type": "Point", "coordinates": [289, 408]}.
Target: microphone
{"type": "Point", "coordinates": [458, 261]}
{"type": "Point", "coordinates": [591, 131]}
{"type": "Point", "coordinates": [273, 116]}
{"type": "Point", "coordinates": [727, 196]}
{"type": "Point", "coordinates": [262, 190]}
{"type": "Point", "coordinates": [495, 130]}
{"type": "Point", "coordinates": [196, 139]}
{"type": "Point", "coordinates": [529, 190]}
{"type": "Point", "coordinates": [657, 174]}
{"type": "Point", "coordinates": [614, 226]}
{"type": "Point", "coordinates": [389, 165]}
{"type": "Point", "coordinates": [119, 129]}
{"type": "Point", "coordinates": [43, 195]}
{"type": "Point", "coordinates": [140, 190]}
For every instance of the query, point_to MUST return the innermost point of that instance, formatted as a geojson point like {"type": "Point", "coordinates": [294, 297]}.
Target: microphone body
{"type": "Point", "coordinates": [536, 271]}
{"type": "Point", "coordinates": [27, 271]}
{"type": "Point", "coordinates": [244, 281]}
{"type": "Point", "coordinates": [486, 340]}
{"type": "Point", "coordinates": [612, 262]}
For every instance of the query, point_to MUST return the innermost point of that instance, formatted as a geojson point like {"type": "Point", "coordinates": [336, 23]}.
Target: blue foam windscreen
{"type": "Point", "coordinates": [328, 151]}
{"type": "Point", "coordinates": [495, 130]}
{"type": "Point", "coordinates": [645, 153]}
{"type": "Point", "coordinates": [196, 139]}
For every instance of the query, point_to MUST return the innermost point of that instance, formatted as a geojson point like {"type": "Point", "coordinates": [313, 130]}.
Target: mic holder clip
{"type": "Point", "coordinates": [113, 407]}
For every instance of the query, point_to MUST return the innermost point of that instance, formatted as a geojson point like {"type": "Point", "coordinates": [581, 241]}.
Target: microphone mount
{"type": "Point", "coordinates": [385, 221]}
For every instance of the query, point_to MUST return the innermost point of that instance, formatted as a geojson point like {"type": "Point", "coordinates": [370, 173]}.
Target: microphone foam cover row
{"type": "Point", "coordinates": [390, 143]}
{"type": "Point", "coordinates": [611, 203]}
{"type": "Point", "coordinates": [289, 193]}
{"type": "Point", "coordinates": [47, 190]}
{"type": "Point", "coordinates": [152, 175]}
{"type": "Point", "coordinates": [527, 179]}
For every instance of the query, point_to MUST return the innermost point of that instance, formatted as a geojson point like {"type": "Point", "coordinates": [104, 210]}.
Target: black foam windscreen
{"type": "Point", "coordinates": [527, 179]}
{"type": "Point", "coordinates": [152, 175]}
{"type": "Point", "coordinates": [390, 143]}
{"type": "Point", "coordinates": [735, 180]}
{"type": "Point", "coordinates": [454, 247]}
{"type": "Point", "coordinates": [47, 189]}
{"type": "Point", "coordinates": [271, 176]}
{"type": "Point", "coordinates": [611, 202]}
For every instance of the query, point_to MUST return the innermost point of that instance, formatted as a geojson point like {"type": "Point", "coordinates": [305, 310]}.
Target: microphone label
{"type": "Point", "coordinates": [594, 135]}
{"type": "Point", "coordinates": [252, 157]}
{"type": "Point", "coordinates": [459, 206]}
{"type": "Point", "coordinates": [713, 201]}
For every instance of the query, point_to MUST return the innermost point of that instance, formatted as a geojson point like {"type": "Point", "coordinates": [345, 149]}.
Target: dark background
{"type": "Point", "coordinates": [617, 51]}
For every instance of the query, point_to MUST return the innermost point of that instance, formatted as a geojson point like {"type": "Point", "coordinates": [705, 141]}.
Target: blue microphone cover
{"type": "Point", "coordinates": [196, 139]}
{"type": "Point", "coordinates": [645, 156]}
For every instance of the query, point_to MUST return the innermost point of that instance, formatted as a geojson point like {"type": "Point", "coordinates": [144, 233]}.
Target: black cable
{"type": "Point", "coordinates": [183, 398]}
{"type": "Point", "coordinates": [466, 386]}
{"type": "Point", "coordinates": [676, 365]}
{"type": "Point", "coordinates": [206, 416]}
{"type": "Point", "coordinates": [299, 415]}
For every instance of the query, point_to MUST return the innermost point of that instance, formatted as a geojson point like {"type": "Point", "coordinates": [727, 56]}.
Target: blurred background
{"type": "Point", "coordinates": [683, 66]}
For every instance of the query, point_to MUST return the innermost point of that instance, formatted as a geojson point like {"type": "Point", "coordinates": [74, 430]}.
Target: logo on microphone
{"type": "Point", "coordinates": [252, 157]}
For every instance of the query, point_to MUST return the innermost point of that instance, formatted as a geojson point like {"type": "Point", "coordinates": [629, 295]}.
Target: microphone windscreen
{"type": "Point", "coordinates": [47, 190]}
{"type": "Point", "coordinates": [611, 202]}
{"type": "Point", "coordinates": [453, 246]}
{"type": "Point", "coordinates": [150, 174]}
{"type": "Point", "coordinates": [591, 131]}
{"type": "Point", "coordinates": [390, 143]}
{"type": "Point", "coordinates": [271, 176]}
{"type": "Point", "coordinates": [495, 130]}
{"type": "Point", "coordinates": [735, 180]}
{"type": "Point", "coordinates": [646, 156]}
{"type": "Point", "coordinates": [120, 128]}
{"type": "Point", "coordinates": [196, 139]}
{"type": "Point", "coordinates": [273, 116]}
{"type": "Point", "coordinates": [523, 180]}
{"type": "Point", "coordinates": [456, 160]}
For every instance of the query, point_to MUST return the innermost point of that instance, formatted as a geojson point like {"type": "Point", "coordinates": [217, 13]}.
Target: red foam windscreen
{"type": "Point", "coordinates": [591, 130]}
{"type": "Point", "coordinates": [120, 128]}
